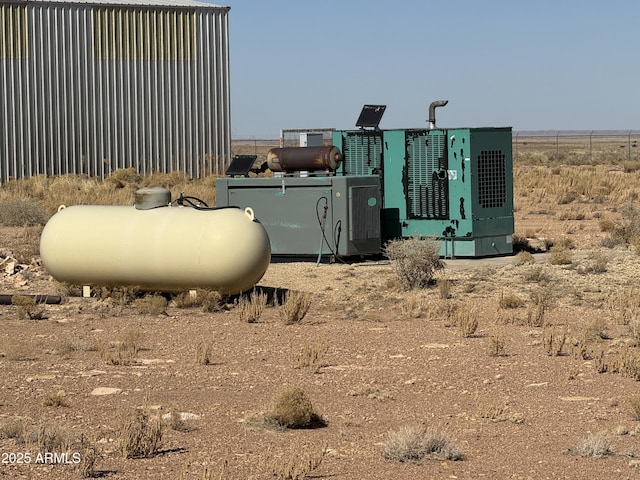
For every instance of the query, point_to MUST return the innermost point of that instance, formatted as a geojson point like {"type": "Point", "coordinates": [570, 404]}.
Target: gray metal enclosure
{"type": "Point", "coordinates": [93, 86]}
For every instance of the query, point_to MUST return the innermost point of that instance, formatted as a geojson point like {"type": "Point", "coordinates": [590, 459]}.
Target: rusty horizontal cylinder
{"type": "Point", "coordinates": [296, 159]}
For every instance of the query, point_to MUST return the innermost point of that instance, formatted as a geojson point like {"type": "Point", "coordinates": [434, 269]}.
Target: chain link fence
{"type": "Point", "coordinates": [578, 145]}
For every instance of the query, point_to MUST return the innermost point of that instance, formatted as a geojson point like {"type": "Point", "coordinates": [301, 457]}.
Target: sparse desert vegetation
{"type": "Point", "coordinates": [406, 366]}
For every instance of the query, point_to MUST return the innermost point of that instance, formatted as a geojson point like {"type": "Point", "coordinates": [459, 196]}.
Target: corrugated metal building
{"type": "Point", "coordinates": [87, 87]}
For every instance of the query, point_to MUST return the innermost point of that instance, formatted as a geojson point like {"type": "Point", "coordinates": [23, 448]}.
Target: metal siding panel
{"type": "Point", "coordinates": [91, 88]}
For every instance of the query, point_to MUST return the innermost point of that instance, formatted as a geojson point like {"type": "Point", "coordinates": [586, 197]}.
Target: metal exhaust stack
{"type": "Point", "coordinates": [432, 112]}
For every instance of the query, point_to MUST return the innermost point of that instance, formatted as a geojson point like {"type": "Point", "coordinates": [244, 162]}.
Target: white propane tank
{"type": "Point", "coordinates": [158, 249]}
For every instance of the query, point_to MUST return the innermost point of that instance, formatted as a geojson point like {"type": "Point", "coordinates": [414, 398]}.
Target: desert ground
{"type": "Point", "coordinates": [544, 387]}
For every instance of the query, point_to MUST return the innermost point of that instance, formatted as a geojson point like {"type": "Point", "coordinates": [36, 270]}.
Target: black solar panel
{"type": "Point", "coordinates": [241, 165]}
{"type": "Point", "coordinates": [370, 116]}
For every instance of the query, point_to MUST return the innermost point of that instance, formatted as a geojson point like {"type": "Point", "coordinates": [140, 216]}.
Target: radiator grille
{"type": "Point", "coordinates": [427, 182]}
{"type": "Point", "coordinates": [362, 152]}
{"type": "Point", "coordinates": [492, 185]}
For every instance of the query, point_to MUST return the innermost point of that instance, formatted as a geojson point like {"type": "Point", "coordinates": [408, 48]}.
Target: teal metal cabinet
{"type": "Point", "coordinates": [453, 184]}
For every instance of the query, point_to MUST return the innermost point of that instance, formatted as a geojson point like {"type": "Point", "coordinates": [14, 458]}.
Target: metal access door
{"type": "Point", "coordinates": [426, 182]}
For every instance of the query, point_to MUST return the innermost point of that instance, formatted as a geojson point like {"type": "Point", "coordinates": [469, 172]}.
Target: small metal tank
{"type": "Point", "coordinates": [167, 248]}
{"type": "Point", "coordinates": [295, 159]}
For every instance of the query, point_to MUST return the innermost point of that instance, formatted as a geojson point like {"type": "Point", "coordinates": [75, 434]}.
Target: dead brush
{"type": "Point", "coordinates": [595, 445]}
{"type": "Point", "coordinates": [250, 309]}
{"type": "Point", "coordinates": [290, 408]}
{"type": "Point", "coordinates": [45, 438]}
{"type": "Point", "coordinates": [524, 258]}
{"type": "Point", "coordinates": [19, 213]}
{"type": "Point", "coordinates": [415, 443]}
{"type": "Point", "coordinates": [56, 399]}
{"type": "Point", "coordinates": [623, 306]}
{"type": "Point", "coordinates": [27, 308]}
{"type": "Point", "coordinates": [444, 288]}
{"type": "Point", "coordinates": [627, 363]}
{"type": "Point", "coordinates": [496, 346]}
{"type": "Point", "coordinates": [509, 300]}
{"type": "Point", "coordinates": [140, 435]}
{"type": "Point", "coordinates": [467, 321]}
{"type": "Point", "coordinates": [208, 300]}
{"type": "Point", "coordinates": [634, 406]}
{"type": "Point", "coordinates": [204, 353]}
{"type": "Point", "coordinates": [294, 307]}
{"type": "Point", "coordinates": [309, 355]}
{"type": "Point", "coordinates": [125, 350]}
{"type": "Point", "coordinates": [296, 464]}
{"type": "Point", "coordinates": [416, 260]}
{"type": "Point", "coordinates": [554, 339]}
{"type": "Point", "coordinates": [414, 304]}
{"type": "Point", "coordinates": [559, 255]}
{"type": "Point", "coordinates": [151, 305]}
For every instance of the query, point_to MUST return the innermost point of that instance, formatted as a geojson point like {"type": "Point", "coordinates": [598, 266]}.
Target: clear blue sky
{"type": "Point", "coordinates": [536, 65]}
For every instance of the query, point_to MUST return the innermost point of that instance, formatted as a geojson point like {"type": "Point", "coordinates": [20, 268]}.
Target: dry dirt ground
{"type": "Point", "coordinates": [386, 359]}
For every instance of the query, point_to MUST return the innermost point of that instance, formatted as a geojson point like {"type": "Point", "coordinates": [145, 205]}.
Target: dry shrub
{"type": "Point", "coordinates": [634, 406]}
{"type": "Point", "coordinates": [140, 435]}
{"type": "Point", "coordinates": [56, 399]}
{"type": "Point", "coordinates": [413, 444]}
{"type": "Point", "coordinates": [559, 255]}
{"type": "Point", "coordinates": [175, 421]}
{"type": "Point", "coordinates": [292, 408]}
{"type": "Point", "coordinates": [606, 225]}
{"type": "Point", "coordinates": [47, 438]}
{"type": "Point", "coordinates": [415, 260]}
{"type": "Point", "coordinates": [18, 213]}
{"type": "Point", "coordinates": [124, 351]}
{"type": "Point", "coordinates": [524, 258]}
{"type": "Point", "coordinates": [444, 288]}
{"type": "Point", "coordinates": [627, 363]}
{"type": "Point", "coordinates": [414, 304]}
{"type": "Point", "coordinates": [208, 300]}
{"type": "Point", "coordinates": [124, 177]}
{"type": "Point", "coordinates": [213, 301]}
{"type": "Point", "coordinates": [596, 262]}
{"type": "Point", "coordinates": [521, 243]}
{"type": "Point", "coordinates": [13, 429]}
{"type": "Point", "coordinates": [595, 445]}
{"type": "Point", "coordinates": [296, 464]}
{"type": "Point", "coordinates": [203, 353]}
{"type": "Point", "coordinates": [496, 346]}
{"type": "Point", "coordinates": [467, 321]}
{"type": "Point", "coordinates": [27, 308]}
{"type": "Point", "coordinates": [310, 355]}
{"type": "Point", "coordinates": [554, 339]}
{"type": "Point", "coordinates": [510, 300]}
{"type": "Point", "coordinates": [294, 307]}
{"type": "Point", "coordinates": [623, 305]}
{"type": "Point", "coordinates": [250, 309]}
{"type": "Point", "coordinates": [151, 305]}
{"type": "Point", "coordinates": [536, 273]}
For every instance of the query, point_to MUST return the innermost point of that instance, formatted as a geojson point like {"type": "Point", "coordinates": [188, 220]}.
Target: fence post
{"type": "Point", "coordinates": [590, 146]}
{"type": "Point", "coordinates": [557, 145]}
{"type": "Point", "coordinates": [629, 146]}
{"type": "Point", "coordinates": [517, 133]}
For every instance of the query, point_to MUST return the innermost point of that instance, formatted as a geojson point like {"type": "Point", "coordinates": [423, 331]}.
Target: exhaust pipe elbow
{"type": "Point", "coordinates": [432, 112]}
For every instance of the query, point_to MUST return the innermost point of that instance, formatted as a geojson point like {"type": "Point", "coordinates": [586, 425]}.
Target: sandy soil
{"type": "Point", "coordinates": [387, 359]}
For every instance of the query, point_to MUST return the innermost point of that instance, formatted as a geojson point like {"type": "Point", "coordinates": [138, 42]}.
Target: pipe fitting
{"type": "Point", "coordinates": [432, 112]}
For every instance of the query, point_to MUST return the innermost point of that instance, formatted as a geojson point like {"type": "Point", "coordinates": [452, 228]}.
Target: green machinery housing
{"type": "Point", "coordinates": [455, 184]}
